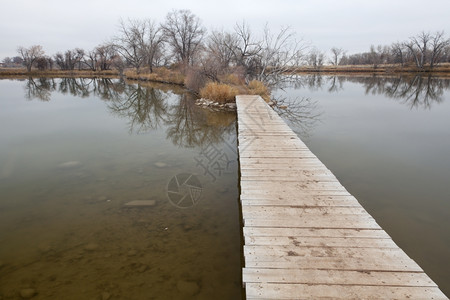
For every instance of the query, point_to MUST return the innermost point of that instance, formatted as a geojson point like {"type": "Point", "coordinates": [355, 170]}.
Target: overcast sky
{"type": "Point", "coordinates": [353, 25]}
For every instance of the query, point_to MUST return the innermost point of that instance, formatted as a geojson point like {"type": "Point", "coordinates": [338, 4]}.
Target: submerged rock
{"type": "Point", "coordinates": [160, 164]}
{"type": "Point", "coordinates": [91, 247]}
{"type": "Point", "coordinates": [140, 203]}
{"type": "Point", "coordinates": [27, 293]}
{"type": "Point", "coordinates": [106, 296]}
{"type": "Point", "coordinates": [188, 288]}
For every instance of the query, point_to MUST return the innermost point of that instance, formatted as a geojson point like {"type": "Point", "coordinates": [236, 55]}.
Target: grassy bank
{"type": "Point", "coordinates": [439, 70]}
{"type": "Point", "coordinates": [5, 72]}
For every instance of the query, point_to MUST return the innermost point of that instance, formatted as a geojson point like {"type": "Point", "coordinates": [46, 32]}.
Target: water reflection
{"type": "Point", "coordinates": [414, 91]}
{"type": "Point", "coordinates": [301, 113]}
{"type": "Point", "coordinates": [145, 106]}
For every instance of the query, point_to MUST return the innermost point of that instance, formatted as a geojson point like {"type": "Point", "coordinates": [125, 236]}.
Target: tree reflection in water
{"type": "Point", "coordinates": [415, 91]}
{"type": "Point", "coordinates": [301, 113]}
{"type": "Point", "coordinates": [146, 106]}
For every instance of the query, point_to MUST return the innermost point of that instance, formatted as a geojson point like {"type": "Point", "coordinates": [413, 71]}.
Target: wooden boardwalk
{"type": "Point", "coordinates": [305, 236]}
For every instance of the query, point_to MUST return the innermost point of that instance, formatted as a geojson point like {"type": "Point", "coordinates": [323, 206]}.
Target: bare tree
{"type": "Point", "coordinates": [131, 42]}
{"type": "Point", "coordinates": [140, 43]}
{"type": "Point", "coordinates": [30, 55]}
{"type": "Point", "coordinates": [280, 54]}
{"type": "Point", "coordinates": [337, 54]}
{"type": "Point", "coordinates": [316, 58]}
{"type": "Point", "coordinates": [70, 59]}
{"type": "Point", "coordinates": [438, 46]}
{"type": "Point", "coordinates": [154, 41]}
{"type": "Point", "coordinates": [222, 46]}
{"type": "Point", "coordinates": [247, 48]}
{"type": "Point", "coordinates": [184, 33]}
{"type": "Point", "coordinates": [418, 46]}
{"type": "Point", "coordinates": [398, 53]}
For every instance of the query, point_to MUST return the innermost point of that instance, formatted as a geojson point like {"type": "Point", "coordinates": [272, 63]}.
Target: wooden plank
{"type": "Point", "coordinates": [342, 252]}
{"type": "Point", "coordinates": [319, 242]}
{"type": "Point", "coordinates": [317, 221]}
{"type": "Point", "coordinates": [299, 200]}
{"type": "Point", "coordinates": [337, 277]}
{"type": "Point", "coordinates": [386, 263]}
{"type": "Point", "coordinates": [305, 291]}
{"type": "Point", "coordinates": [316, 232]}
{"type": "Point", "coordinates": [281, 212]}
{"type": "Point", "coordinates": [290, 186]}
{"type": "Point", "coordinates": [302, 193]}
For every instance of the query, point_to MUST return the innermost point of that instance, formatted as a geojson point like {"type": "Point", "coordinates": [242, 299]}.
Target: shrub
{"type": "Point", "coordinates": [256, 87]}
{"type": "Point", "coordinates": [219, 92]}
{"type": "Point", "coordinates": [233, 79]}
{"type": "Point", "coordinates": [194, 80]}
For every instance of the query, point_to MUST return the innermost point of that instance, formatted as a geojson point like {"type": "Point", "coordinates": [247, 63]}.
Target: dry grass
{"type": "Point", "coordinates": [256, 87]}
{"type": "Point", "coordinates": [223, 93]}
{"type": "Point", "coordinates": [219, 92]}
{"type": "Point", "coordinates": [232, 79]}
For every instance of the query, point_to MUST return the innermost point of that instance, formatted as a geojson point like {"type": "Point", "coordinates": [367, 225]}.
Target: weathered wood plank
{"type": "Point", "coordinates": [319, 242]}
{"type": "Point", "coordinates": [337, 277]}
{"type": "Point", "coordinates": [317, 221]}
{"type": "Point", "coordinates": [305, 291]}
{"type": "Point", "coordinates": [386, 263]}
{"type": "Point", "coordinates": [280, 212]}
{"type": "Point", "coordinates": [316, 232]}
{"type": "Point", "coordinates": [291, 253]}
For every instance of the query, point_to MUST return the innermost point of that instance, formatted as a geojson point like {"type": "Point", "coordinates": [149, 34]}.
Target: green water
{"type": "Point", "coordinates": [387, 139]}
{"type": "Point", "coordinates": [74, 152]}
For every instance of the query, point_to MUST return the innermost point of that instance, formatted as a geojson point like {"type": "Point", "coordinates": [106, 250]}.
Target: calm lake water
{"type": "Point", "coordinates": [75, 152]}
{"type": "Point", "coordinates": [388, 141]}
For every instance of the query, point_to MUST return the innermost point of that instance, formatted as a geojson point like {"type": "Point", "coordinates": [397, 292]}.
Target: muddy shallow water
{"type": "Point", "coordinates": [74, 152]}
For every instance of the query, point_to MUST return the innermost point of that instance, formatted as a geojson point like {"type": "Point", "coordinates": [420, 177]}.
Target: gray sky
{"type": "Point", "coordinates": [353, 25]}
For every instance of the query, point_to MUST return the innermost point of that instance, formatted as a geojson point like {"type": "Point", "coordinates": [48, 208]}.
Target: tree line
{"type": "Point", "coordinates": [422, 50]}
{"type": "Point", "coordinates": [182, 41]}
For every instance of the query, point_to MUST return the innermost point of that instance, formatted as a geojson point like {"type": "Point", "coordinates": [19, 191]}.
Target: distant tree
{"type": "Point", "coordinates": [30, 55]}
{"type": "Point", "coordinates": [222, 47]}
{"type": "Point", "coordinates": [101, 58]}
{"type": "Point", "coordinates": [130, 43]}
{"type": "Point", "coordinates": [7, 61]}
{"type": "Point", "coordinates": [418, 48]}
{"type": "Point", "coordinates": [70, 59]}
{"type": "Point", "coordinates": [336, 55]}
{"type": "Point", "coordinates": [140, 43]}
{"type": "Point", "coordinates": [398, 54]}
{"type": "Point", "coordinates": [184, 34]}
{"type": "Point", "coordinates": [316, 58]}
{"type": "Point", "coordinates": [154, 43]}
{"type": "Point", "coordinates": [17, 60]}
{"type": "Point", "coordinates": [437, 48]}
{"type": "Point", "coordinates": [44, 63]}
